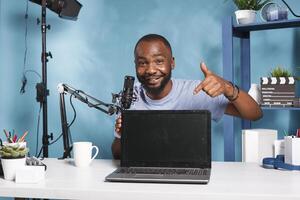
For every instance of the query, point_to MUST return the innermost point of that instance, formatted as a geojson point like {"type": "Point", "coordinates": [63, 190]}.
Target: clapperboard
{"type": "Point", "coordinates": [277, 91]}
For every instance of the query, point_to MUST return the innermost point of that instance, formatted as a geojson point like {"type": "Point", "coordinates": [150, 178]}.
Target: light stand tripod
{"type": "Point", "coordinates": [68, 9]}
{"type": "Point", "coordinates": [42, 91]}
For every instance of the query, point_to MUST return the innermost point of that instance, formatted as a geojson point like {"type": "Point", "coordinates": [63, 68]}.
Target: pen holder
{"type": "Point", "coordinates": [292, 150]}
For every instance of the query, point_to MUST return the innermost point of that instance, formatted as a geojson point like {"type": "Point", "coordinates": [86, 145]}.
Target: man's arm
{"type": "Point", "coordinates": [245, 107]}
{"type": "Point", "coordinates": [116, 145]}
{"type": "Point", "coordinates": [116, 148]}
{"type": "Point", "coordinates": [241, 104]}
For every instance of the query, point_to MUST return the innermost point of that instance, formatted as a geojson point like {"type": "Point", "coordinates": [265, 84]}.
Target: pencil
{"type": "Point", "coordinates": [6, 134]}
{"type": "Point", "coordinates": [21, 139]}
{"type": "Point", "coordinates": [15, 138]}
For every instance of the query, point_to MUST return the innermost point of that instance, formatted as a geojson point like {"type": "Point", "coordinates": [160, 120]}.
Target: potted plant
{"type": "Point", "coordinates": [247, 10]}
{"type": "Point", "coordinates": [12, 158]}
{"type": "Point", "coordinates": [279, 88]}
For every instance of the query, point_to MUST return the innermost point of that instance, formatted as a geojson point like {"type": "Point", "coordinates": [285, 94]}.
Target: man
{"type": "Point", "coordinates": [157, 91]}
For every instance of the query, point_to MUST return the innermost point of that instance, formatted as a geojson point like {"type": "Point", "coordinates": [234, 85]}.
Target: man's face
{"type": "Point", "coordinates": [154, 63]}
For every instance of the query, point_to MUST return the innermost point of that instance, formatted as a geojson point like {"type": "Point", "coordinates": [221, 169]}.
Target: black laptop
{"type": "Point", "coordinates": [165, 146]}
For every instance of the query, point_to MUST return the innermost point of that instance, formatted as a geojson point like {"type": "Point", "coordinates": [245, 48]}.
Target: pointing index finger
{"type": "Point", "coordinates": [198, 88]}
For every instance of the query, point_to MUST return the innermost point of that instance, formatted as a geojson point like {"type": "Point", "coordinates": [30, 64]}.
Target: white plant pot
{"type": "Point", "coordinates": [10, 167]}
{"type": "Point", "coordinates": [245, 16]}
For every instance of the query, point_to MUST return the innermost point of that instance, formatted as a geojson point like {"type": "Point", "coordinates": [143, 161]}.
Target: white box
{"type": "Point", "coordinates": [257, 144]}
{"type": "Point", "coordinates": [278, 148]}
{"type": "Point", "coordinates": [30, 174]}
{"type": "Point", "coordinates": [292, 150]}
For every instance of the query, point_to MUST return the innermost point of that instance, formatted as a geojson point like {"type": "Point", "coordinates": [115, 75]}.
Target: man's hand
{"type": "Point", "coordinates": [116, 145]}
{"type": "Point", "coordinates": [212, 84]}
{"type": "Point", "coordinates": [118, 125]}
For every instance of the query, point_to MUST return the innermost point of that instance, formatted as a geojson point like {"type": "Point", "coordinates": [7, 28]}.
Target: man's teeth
{"type": "Point", "coordinates": [154, 78]}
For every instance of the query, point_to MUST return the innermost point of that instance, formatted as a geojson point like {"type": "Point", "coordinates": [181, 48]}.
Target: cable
{"type": "Point", "coordinates": [49, 145]}
{"type": "Point", "coordinates": [55, 139]}
{"type": "Point", "coordinates": [290, 8]}
{"type": "Point", "coordinates": [24, 78]}
{"type": "Point", "coordinates": [75, 114]}
{"type": "Point", "coordinates": [40, 152]}
{"type": "Point", "coordinates": [37, 132]}
{"type": "Point", "coordinates": [25, 39]}
{"type": "Point", "coordinates": [73, 120]}
{"type": "Point", "coordinates": [33, 71]}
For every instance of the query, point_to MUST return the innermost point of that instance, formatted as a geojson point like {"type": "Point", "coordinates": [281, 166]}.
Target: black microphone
{"type": "Point", "coordinates": [127, 94]}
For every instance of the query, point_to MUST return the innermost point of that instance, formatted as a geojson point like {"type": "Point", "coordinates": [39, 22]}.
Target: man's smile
{"type": "Point", "coordinates": [152, 80]}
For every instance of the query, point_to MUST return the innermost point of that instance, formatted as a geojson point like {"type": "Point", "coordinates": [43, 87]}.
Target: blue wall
{"type": "Point", "coordinates": [95, 52]}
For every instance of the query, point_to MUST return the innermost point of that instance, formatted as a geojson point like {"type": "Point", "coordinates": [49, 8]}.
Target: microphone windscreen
{"type": "Point", "coordinates": [127, 93]}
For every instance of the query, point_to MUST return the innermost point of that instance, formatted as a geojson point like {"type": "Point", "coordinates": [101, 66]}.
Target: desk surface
{"type": "Point", "coordinates": [229, 180]}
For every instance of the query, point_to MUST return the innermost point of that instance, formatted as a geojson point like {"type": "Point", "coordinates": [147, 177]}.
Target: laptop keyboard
{"type": "Point", "coordinates": [164, 171]}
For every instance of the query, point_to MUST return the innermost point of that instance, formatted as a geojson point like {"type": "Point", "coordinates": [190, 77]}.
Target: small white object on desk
{"type": "Point", "coordinates": [30, 174]}
{"type": "Point", "coordinates": [10, 167]}
{"type": "Point", "coordinates": [292, 150]}
{"type": "Point", "coordinates": [278, 148]}
{"type": "Point", "coordinates": [257, 144]}
{"type": "Point", "coordinates": [83, 153]}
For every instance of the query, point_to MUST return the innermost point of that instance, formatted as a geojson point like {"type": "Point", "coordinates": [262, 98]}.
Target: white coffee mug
{"type": "Point", "coordinates": [83, 153]}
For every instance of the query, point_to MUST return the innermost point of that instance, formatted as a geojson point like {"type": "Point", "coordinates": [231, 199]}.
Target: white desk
{"type": "Point", "coordinates": [232, 181]}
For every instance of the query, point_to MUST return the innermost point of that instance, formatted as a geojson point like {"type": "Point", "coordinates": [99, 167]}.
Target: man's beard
{"type": "Point", "coordinates": [155, 90]}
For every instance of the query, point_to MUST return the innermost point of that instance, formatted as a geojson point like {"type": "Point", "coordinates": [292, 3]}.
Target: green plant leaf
{"type": "Point", "coordinates": [250, 4]}
{"type": "Point", "coordinates": [13, 152]}
{"type": "Point", "coordinates": [280, 72]}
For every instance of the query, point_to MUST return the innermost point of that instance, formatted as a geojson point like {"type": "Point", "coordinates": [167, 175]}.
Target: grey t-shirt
{"type": "Point", "coordinates": [181, 97]}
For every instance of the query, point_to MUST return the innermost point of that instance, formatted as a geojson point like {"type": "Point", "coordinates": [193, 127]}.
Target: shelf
{"type": "Point", "coordinates": [279, 108]}
{"type": "Point", "coordinates": [242, 32]}
{"type": "Point", "coordinates": [267, 25]}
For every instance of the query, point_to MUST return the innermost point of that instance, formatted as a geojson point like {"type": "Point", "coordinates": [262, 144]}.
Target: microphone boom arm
{"type": "Point", "coordinates": [109, 109]}
{"type": "Point", "coordinates": [92, 102]}
{"type": "Point", "coordinates": [97, 104]}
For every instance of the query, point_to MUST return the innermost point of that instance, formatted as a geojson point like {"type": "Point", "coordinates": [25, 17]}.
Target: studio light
{"type": "Point", "coordinates": [67, 9]}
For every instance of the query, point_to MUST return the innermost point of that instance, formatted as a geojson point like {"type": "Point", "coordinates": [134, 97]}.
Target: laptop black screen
{"type": "Point", "coordinates": [161, 138]}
